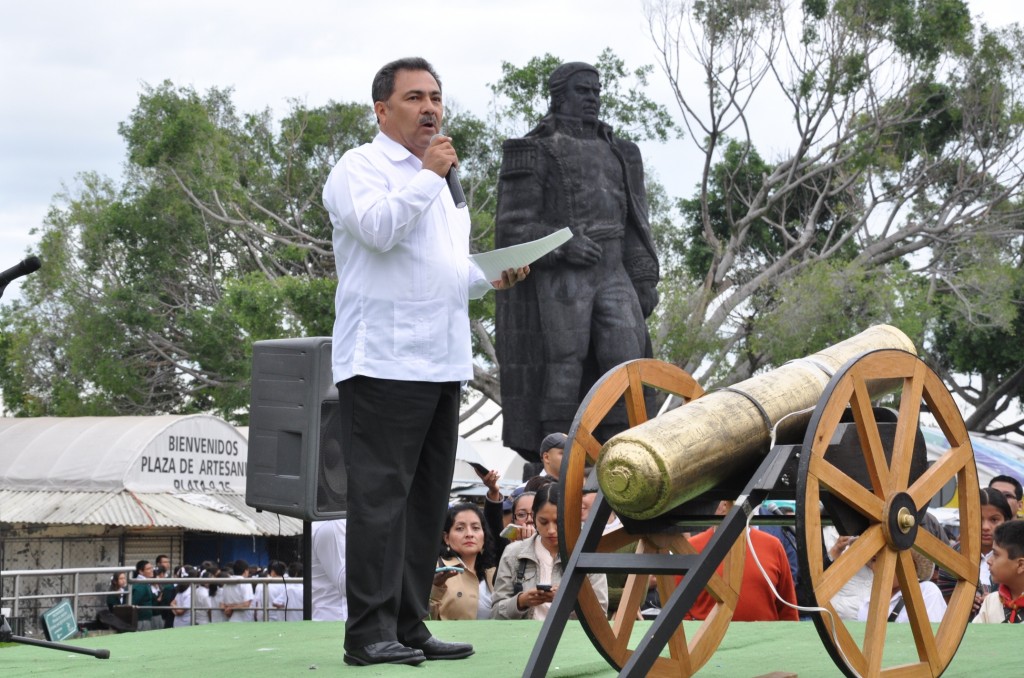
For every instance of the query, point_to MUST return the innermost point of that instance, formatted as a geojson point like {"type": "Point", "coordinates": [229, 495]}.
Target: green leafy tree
{"type": "Point", "coordinates": [896, 154]}
{"type": "Point", "coordinates": [154, 290]}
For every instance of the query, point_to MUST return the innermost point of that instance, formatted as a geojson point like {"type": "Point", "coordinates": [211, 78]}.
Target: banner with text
{"type": "Point", "coordinates": [200, 454]}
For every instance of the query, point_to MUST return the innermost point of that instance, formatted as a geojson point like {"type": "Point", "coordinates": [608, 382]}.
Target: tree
{"type": "Point", "coordinates": [897, 148]}
{"type": "Point", "coordinates": [154, 290]}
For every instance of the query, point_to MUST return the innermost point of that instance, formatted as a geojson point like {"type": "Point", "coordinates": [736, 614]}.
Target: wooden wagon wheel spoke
{"type": "Point", "coordinates": [859, 554]}
{"type": "Point", "coordinates": [853, 493]}
{"type": "Point", "coordinates": [627, 382]}
{"type": "Point", "coordinates": [946, 467]}
{"type": "Point", "coordinates": [890, 499]}
{"type": "Point", "coordinates": [721, 586]}
{"type": "Point", "coordinates": [878, 610]}
{"type": "Point", "coordinates": [588, 444]}
{"type": "Point", "coordinates": [615, 540]}
{"type": "Point", "coordinates": [945, 556]}
{"type": "Point", "coordinates": [871, 441]}
{"type": "Point", "coordinates": [636, 408]}
{"type": "Point", "coordinates": [910, 410]}
{"type": "Point", "coordinates": [917, 612]}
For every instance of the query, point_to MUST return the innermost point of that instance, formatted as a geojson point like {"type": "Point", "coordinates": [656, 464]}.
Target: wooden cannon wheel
{"type": "Point", "coordinates": [891, 506]}
{"type": "Point", "coordinates": [612, 638]}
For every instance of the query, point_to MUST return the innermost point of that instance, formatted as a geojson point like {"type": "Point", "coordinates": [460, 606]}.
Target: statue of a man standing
{"type": "Point", "coordinates": [583, 311]}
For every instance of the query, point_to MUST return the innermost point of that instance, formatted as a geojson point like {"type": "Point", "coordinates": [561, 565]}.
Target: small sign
{"type": "Point", "coordinates": [59, 622]}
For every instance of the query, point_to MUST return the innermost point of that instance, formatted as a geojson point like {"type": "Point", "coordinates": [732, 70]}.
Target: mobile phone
{"type": "Point", "coordinates": [479, 468]}
{"type": "Point", "coordinates": [543, 587]}
{"type": "Point", "coordinates": [448, 568]}
{"type": "Point", "coordinates": [511, 532]}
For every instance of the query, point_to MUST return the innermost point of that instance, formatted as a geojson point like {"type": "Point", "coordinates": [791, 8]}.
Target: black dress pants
{"type": "Point", "coordinates": [398, 441]}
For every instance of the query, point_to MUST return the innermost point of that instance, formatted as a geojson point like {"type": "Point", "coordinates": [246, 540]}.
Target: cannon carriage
{"type": "Point", "coordinates": [810, 431]}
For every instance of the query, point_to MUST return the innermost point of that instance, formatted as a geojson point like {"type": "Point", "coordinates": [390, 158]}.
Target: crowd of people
{"type": "Point", "coordinates": [501, 561]}
{"type": "Point", "coordinates": [163, 605]}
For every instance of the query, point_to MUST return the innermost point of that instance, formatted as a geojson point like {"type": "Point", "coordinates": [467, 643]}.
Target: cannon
{"type": "Point", "coordinates": [813, 431]}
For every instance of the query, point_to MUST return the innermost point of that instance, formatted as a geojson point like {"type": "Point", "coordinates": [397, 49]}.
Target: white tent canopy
{"type": "Point", "coordinates": [177, 471]}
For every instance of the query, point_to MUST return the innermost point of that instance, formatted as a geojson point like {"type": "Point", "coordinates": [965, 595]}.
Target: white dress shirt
{"type": "Point", "coordinates": [235, 594]}
{"type": "Point", "coordinates": [401, 248]}
{"type": "Point", "coordinates": [327, 571]}
{"type": "Point", "coordinates": [934, 604]}
{"type": "Point", "coordinates": [286, 599]}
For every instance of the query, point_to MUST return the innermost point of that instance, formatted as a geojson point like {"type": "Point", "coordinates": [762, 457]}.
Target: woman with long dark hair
{"type": "Point", "coordinates": [530, 570]}
{"type": "Point", "coordinates": [465, 579]}
{"type": "Point", "coordinates": [119, 588]}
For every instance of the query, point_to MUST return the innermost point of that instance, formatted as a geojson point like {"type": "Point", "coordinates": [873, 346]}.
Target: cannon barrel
{"type": "Point", "coordinates": [658, 465]}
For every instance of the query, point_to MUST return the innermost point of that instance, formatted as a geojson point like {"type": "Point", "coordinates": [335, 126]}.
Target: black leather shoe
{"type": "Point", "coordinates": [438, 649]}
{"type": "Point", "coordinates": [387, 652]}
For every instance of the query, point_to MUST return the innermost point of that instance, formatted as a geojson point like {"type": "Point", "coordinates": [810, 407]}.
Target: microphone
{"type": "Point", "coordinates": [454, 187]}
{"type": "Point", "coordinates": [29, 265]}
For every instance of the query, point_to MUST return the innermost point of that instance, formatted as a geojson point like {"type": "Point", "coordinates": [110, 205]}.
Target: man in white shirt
{"type": "Point", "coordinates": [238, 598]}
{"type": "Point", "coordinates": [327, 571]}
{"type": "Point", "coordinates": [401, 347]}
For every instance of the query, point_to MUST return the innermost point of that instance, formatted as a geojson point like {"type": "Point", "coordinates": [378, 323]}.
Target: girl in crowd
{"type": "Point", "coordinates": [181, 604]}
{"type": "Point", "coordinates": [119, 586]}
{"type": "Point", "coordinates": [530, 570]}
{"type": "Point", "coordinates": [994, 512]}
{"type": "Point", "coordinates": [464, 593]}
{"type": "Point", "coordinates": [211, 598]}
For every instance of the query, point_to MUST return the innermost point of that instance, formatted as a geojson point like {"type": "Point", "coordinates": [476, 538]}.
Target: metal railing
{"type": "Point", "coordinates": [76, 594]}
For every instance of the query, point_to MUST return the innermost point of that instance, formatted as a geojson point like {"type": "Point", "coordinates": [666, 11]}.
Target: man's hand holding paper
{"type": "Point", "coordinates": [511, 277]}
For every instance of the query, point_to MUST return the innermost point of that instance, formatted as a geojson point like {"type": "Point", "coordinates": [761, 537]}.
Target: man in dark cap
{"type": "Point", "coordinates": [584, 313]}
{"type": "Point", "coordinates": [551, 450]}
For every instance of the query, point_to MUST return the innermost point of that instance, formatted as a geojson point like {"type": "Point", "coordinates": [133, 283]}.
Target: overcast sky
{"type": "Point", "coordinates": [71, 71]}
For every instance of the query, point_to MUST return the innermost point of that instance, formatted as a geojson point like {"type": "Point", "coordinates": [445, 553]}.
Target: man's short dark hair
{"type": "Point", "coordinates": [1010, 536]}
{"type": "Point", "coordinates": [239, 567]}
{"type": "Point", "coordinates": [1018, 491]}
{"type": "Point", "coordinates": [384, 82]}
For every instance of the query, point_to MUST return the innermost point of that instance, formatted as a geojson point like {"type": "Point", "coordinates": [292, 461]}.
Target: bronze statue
{"type": "Point", "coordinates": [583, 311]}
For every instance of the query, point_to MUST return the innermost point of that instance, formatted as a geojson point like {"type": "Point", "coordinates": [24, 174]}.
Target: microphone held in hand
{"type": "Point", "coordinates": [454, 187]}
{"type": "Point", "coordinates": [29, 265]}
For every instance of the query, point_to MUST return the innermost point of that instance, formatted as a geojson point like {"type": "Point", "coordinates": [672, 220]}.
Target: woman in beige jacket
{"type": "Point", "coordinates": [530, 571]}
{"type": "Point", "coordinates": [463, 590]}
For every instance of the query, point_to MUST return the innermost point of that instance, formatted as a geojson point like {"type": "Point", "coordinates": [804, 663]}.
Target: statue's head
{"type": "Point", "coordinates": [575, 89]}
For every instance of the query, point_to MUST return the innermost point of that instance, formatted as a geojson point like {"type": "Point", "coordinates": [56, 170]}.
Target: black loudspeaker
{"type": "Point", "coordinates": [295, 465]}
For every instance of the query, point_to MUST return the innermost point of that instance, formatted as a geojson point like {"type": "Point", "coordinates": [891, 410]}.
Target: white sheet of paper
{"type": "Point", "coordinates": [494, 262]}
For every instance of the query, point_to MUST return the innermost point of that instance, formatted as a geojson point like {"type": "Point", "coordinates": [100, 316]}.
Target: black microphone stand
{"type": "Point", "coordinates": [6, 633]}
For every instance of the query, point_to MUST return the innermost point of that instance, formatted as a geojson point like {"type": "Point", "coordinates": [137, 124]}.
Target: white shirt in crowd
{"type": "Point", "coordinates": [285, 600]}
{"type": "Point", "coordinates": [203, 603]}
{"type": "Point", "coordinates": [183, 601]}
{"type": "Point", "coordinates": [235, 594]}
{"type": "Point", "coordinates": [934, 604]}
{"type": "Point", "coordinates": [327, 571]}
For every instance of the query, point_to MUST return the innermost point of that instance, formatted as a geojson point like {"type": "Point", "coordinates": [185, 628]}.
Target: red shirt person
{"type": "Point", "coordinates": [756, 601]}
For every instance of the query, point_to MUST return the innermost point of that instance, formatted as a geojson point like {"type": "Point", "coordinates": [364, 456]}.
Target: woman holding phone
{"type": "Point", "coordinates": [530, 570]}
{"type": "Point", "coordinates": [464, 577]}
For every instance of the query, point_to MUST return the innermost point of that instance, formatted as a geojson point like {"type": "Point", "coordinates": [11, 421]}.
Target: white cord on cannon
{"type": "Point", "coordinates": [800, 608]}
{"type": "Point", "coordinates": [757, 561]}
